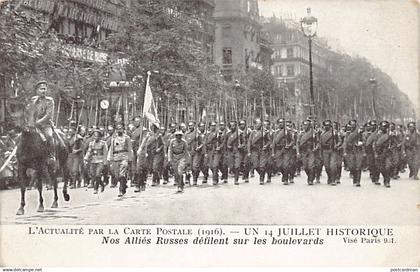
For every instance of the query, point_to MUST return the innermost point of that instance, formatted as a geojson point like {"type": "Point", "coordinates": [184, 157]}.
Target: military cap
{"type": "Point", "coordinates": [179, 132]}
{"type": "Point", "coordinates": [201, 124]}
{"type": "Point", "coordinates": [97, 130]}
{"type": "Point", "coordinates": [222, 123]}
{"type": "Point", "coordinates": [191, 123]}
{"type": "Point", "coordinates": [110, 128]}
{"type": "Point", "coordinates": [73, 123]}
{"type": "Point", "coordinates": [352, 122]}
{"type": "Point", "coordinates": [373, 123]}
{"type": "Point", "coordinates": [242, 122]}
{"type": "Point", "coordinates": [213, 124]}
{"type": "Point", "coordinates": [172, 125]}
{"type": "Point", "coordinates": [258, 120]}
{"type": "Point", "coordinates": [289, 123]}
{"type": "Point", "coordinates": [280, 120]}
{"type": "Point", "coordinates": [306, 122]}
{"type": "Point", "coordinates": [119, 126]}
{"type": "Point", "coordinates": [233, 122]}
{"type": "Point", "coordinates": [327, 123]}
{"type": "Point", "coordinates": [41, 82]}
{"type": "Point", "coordinates": [411, 124]}
{"type": "Point", "coordinates": [384, 124]}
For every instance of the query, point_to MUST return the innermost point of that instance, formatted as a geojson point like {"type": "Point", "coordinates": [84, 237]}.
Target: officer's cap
{"type": "Point", "coordinates": [327, 123]}
{"type": "Point", "coordinates": [97, 131]}
{"type": "Point", "coordinates": [384, 124]}
{"type": "Point", "coordinates": [411, 124]}
{"type": "Point", "coordinates": [41, 82]}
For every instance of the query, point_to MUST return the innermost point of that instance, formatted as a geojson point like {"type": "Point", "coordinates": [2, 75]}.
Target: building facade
{"type": "Point", "coordinates": [239, 41]}
{"type": "Point", "coordinates": [290, 61]}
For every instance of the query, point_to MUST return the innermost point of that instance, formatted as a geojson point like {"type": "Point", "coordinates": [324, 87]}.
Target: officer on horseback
{"type": "Point", "coordinates": [42, 114]}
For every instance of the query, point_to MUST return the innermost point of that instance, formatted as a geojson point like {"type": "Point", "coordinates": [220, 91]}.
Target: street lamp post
{"type": "Point", "coordinates": [374, 87]}
{"type": "Point", "coordinates": [309, 26]}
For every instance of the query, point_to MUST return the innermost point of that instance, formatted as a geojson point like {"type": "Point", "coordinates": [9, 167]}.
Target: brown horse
{"type": "Point", "coordinates": [32, 153]}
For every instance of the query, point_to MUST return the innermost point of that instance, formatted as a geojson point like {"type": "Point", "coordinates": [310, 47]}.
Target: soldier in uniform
{"type": "Point", "coordinates": [189, 137]}
{"type": "Point", "coordinates": [396, 150]}
{"type": "Point", "coordinates": [155, 153]}
{"type": "Point", "coordinates": [242, 150]}
{"type": "Point", "coordinates": [232, 151]}
{"type": "Point", "coordinates": [258, 148]}
{"type": "Point", "coordinates": [329, 140]}
{"type": "Point", "coordinates": [135, 142]}
{"type": "Point", "coordinates": [382, 149]}
{"type": "Point", "coordinates": [120, 155]}
{"type": "Point", "coordinates": [218, 155]}
{"type": "Point", "coordinates": [107, 171]}
{"type": "Point", "coordinates": [143, 164]}
{"type": "Point", "coordinates": [354, 151]}
{"type": "Point", "coordinates": [96, 155]}
{"type": "Point", "coordinates": [75, 159]}
{"type": "Point", "coordinates": [211, 142]}
{"type": "Point", "coordinates": [221, 152]}
{"type": "Point", "coordinates": [370, 154]}
{"type": "Point", "coordinates": [283, 151]}
{"type": "Point", "coordinates": [177, 156]}
{"type": "Point", "coordinates": [41, 115]}
{"type": "Point", "coordinates": [167, 138]}
{"type": "Point", "coordinates": [338, 151]}
{"type": "Point", "coordinates": [198, 149]}
{"type": "Point", "coordinates": [307, 145]}
{"type": "Point", "coordinates": [411, 148]}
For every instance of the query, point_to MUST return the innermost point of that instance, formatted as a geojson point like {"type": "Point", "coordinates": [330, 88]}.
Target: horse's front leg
{"type": "Point", "coordinates": [41, 199]}
{"type": "Point", "coordinates": [22, 181]}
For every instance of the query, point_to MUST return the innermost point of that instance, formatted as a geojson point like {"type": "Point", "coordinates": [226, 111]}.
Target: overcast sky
{"type": "Point", "coordinates": [386, 32]}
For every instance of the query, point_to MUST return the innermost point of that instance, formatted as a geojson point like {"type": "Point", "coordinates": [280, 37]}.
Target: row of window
{"type": "Point", "coordinates": [284, 70]}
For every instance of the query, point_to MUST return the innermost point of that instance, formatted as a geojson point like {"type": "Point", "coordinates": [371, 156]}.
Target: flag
{"type": "Point", "coordinates": [204, 115]}
{"type": "Point", "coordinates": [149, 108]}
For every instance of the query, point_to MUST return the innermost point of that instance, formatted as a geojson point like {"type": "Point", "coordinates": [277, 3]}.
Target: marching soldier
{"type": "Point", "coordinates": [96, 155]}
{"type": "Point", "coordinates": [329, 140]}
{"type": "Point", "coordinates": [87, 138]}
{"type": "Point", "coordinates": [354, 151]}
{"type": "Point", "coordinates": [197, 153]}
{"type": "Point", "coordinates": [75, 159]}
{"type": "Point", "coordinates": [370, 154]}
{"type": "Point", "coordinates": [338, 151]}
{"type": "Point", "coordinates": [211, 143]}
{"type": "Point", "coordinates": [177, 156]}
{"type": "Point", "coordinates": [307, 145]}
{"type": "Point", "coordinates": [143, 163]}
{"type": "Point", "coordinates": [396, 151]}
{"type": "Point", "coordinates": [167, 138]}
{"type": "Point", "coordinates": [411, 147]}
{"type": "Point", "coordinates": [283, 151]}
{"type": "Point", "coordinates": [267, 162]}
{"type": "Point", "coordinates": [135, 141]}
{"type": "Point", "coordinates": [110, 133]}
{"type": "Point", "coordinates": [120, 155]}
{"type": "Point", "coordinates": [258, 149]}
{"type": "Point", "coordinates": [244, 133]}
{"type": "Point", "coordinates": [382, 149]}
{"type": "Point", "coordinates": [155, 153]}
{"type": "Point", "coordinates": [189, 137]}
{"type": "Point", "coordinates": [233, 154]}
{"type": "Point", "coordinates": [218, 163]}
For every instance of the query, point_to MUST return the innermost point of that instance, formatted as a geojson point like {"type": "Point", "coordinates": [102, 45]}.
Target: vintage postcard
{"type": "Point", "coordinates": [209, 133]}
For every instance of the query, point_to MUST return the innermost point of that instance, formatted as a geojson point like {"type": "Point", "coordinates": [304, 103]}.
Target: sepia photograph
{"type": "Point", "coordinates": [209, 112]}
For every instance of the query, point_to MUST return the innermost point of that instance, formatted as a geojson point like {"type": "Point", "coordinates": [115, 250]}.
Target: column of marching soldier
{"type": "Point", "coordinates": [218, 150]}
